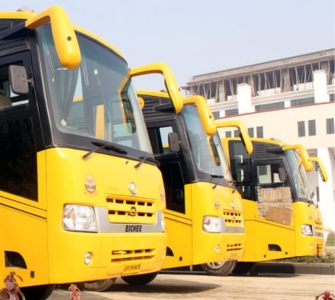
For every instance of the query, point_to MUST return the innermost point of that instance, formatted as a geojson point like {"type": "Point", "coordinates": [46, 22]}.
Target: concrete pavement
{"type": "Point", "coordinates": [200, 287]}
{"type": "Point", "coordinates": [294, 268]}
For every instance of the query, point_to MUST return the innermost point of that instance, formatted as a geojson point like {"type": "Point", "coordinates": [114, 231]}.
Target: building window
{"type": "Point", "coordinates": [330, 126]}
{"type": "Point", "coordinates": [259, 131]}
{"type": "Point", "coordinates": [301, 128]}
{"type": "Point", "coordinates": [228, 134]}
{"type": "Point", "coordinates": [304, 101]}
{"type": "Point", "coordinates": [216, 115]}
{"type": "Point", "coordinates": [269, 106]}
{"type": "Point", "coordinates": [231, 112]}
{"type": "Point", "coordinates": [311, 127]}
{"type": "Point", "coordinates": [236, 133]}
{"type": "Point", "coordinates": [251, 132]}
{"type": "Point", "coordinates": [332, 97]}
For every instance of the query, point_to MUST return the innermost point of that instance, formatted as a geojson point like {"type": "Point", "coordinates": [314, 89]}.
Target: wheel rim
{"type": "Point", "coordinates": [216, 265]}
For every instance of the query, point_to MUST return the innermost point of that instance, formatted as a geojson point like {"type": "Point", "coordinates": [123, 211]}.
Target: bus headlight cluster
{"type": "Point", "coordinates": [79, 218]}
{"type": "Point", "coordinates": [211, 224]}
{"type": "Point", "coordinates": [306, 230]}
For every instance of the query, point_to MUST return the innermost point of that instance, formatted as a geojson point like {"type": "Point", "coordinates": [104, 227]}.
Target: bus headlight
{"type": "Point", "coordinates": [306, 230]}
{"type": "Point", "coordinates": [79, 218]}
{"type": "Point", "coordinates": [211, 224]}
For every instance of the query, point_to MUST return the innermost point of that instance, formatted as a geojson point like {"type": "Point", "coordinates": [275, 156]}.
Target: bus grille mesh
{"type": "Point", "coordinates": [318, 225]}
{"type": "Point", "coordinates": [124, 256]}
{"type": "Point", "coordinates": [131, 211]}
{"type": "Point", "coordinates": [234, 247]}
{"type": "Point", "coordinates": [233, 218]}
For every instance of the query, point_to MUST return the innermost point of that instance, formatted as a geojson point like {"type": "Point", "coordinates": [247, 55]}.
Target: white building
{"type": "Point", "coordinates": [291, 99]}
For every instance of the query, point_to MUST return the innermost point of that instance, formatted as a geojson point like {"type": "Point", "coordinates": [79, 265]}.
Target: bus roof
{"type": "Point", "coordinates": [24, 15]}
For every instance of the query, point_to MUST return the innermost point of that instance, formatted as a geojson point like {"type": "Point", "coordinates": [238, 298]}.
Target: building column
{"type": "Point", "coordinates": [320, 86]}
{"type": "Point", "coordinates": [222, 95]}
{"type": "Point", "coordinates": [244, 99]}
{"type": "Point", "coordinates": [326, 190]}
{"type": "Point", "coordinates": [285, 81]}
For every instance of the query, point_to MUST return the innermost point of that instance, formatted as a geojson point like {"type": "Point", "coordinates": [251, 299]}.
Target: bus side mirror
{"type": "Point", "coordinates": [321, 168]}
{"type": "Point", "coordinates": [282, 174]}
{"type": "Point", "coordinates": [18, 80]}
{"type": "Point", "coordinates": [173, 142]}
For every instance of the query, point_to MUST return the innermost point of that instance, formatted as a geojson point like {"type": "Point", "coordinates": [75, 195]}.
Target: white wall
{"type": "Point", "coordinates": [282, 124]}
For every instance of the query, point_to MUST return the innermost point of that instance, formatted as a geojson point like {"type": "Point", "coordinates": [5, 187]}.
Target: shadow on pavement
{"type": "Point", "coordinates": [159, 286]}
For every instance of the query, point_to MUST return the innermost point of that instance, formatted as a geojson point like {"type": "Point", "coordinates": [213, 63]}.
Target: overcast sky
{"type": "Point", "coordinates": [201, 36]}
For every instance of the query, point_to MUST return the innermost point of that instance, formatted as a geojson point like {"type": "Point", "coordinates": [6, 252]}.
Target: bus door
{"type": "Point", "coordinates": [18, 147]}
{"type": "Point", "coordinates": [178, 210]}
{"type": "Point", "coordinates": [22, 182]}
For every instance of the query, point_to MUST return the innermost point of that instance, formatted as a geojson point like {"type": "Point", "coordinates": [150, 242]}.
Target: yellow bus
{"type": "Point", "coordinates": [81, 197]}
{"type": "Point", "coordinates": [281, 214]}
{"type": "Point", "coordinates": [204, 215]}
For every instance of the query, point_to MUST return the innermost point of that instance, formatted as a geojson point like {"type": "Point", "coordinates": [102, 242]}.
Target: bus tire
{"type": "Point", "coordinates": [243, 268]}
{"type": "Point", "coordinates": [38, 292]}
{"type": "Point", "coordinates": [219, 268]}
{"type": "Point", "coordinates": [97, 286]}
{"type": "Point", "coordinates": [142, 279]}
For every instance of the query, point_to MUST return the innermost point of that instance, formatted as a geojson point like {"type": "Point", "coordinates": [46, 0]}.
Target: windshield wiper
{"type": "Point", "coordinates": [104, 146]}
{"type": "Point", "coordinates": [148, 158]}
{"type": "Point", "coordinates": [216, 176]}
{"type": "Point", "coordinates": [233, 184]}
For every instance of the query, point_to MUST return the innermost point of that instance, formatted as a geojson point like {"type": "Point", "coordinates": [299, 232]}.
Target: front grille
{"type": "Point", "coordinates": [318, 225]}
{"type": "Point", "coordinates": [233, 218]}
{"type": "Point", "coordinates": [319, 248]}
{"type": "Point", "coordinates": [234, 247]}
{"type": "Point", "coordinates": [139, 255]}
{"type": "Point", "coordinates": [131, 211]}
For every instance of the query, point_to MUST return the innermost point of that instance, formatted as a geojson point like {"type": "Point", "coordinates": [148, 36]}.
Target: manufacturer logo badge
{"type": "Point", "coordinates": [132, 188]}
{"type": "Point", "coordinates": [216, 203]}
{"type": "Point", "coordinates": [233, 205]}
{"type": "Point", "coordinates": [90, 184]}
{"type": "Point", "coordinates": [133, 211]}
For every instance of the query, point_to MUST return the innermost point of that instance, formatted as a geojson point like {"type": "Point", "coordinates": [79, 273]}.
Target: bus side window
{"type": "Point", "coordinates": [271, 174]}
{"type": "Point", "coordinates": [4, 101]}
{"type": "Point", "coordinates": [159, 139]}
{"type": "Point", "coordinates": [4, 88]}
{"type": "Point", "coordinates": [174, 186]}
{"type": "Point", "coordinates": [241, 167]}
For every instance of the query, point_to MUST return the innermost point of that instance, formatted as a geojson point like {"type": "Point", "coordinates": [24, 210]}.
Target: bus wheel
{"type": "Point", "coordinates": [219, 268]}
{"type": "Point", "coordinates": [140, 279]}
{"type": "Point", "coordinates": [243, 268]}
{"type": "Point", "coordinates": [38, 292]}
{"type": "Point", "coordinates": [97, 286]}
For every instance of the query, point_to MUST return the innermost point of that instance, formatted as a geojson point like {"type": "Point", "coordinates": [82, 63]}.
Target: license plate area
{"type": "Point", "coordinates": [129, 269]}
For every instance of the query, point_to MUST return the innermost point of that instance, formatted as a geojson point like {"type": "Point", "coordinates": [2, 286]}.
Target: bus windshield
{"type": "Point", "coordinates": [299, 176]}
{"type": "Point", "coordinates": [96, 100]}
{"type": "Point", "coordinates": [208, 152]}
